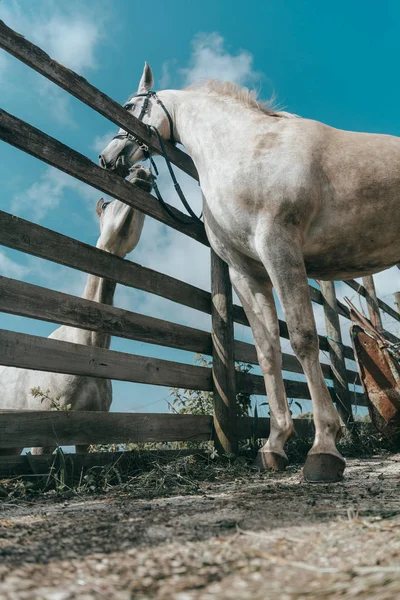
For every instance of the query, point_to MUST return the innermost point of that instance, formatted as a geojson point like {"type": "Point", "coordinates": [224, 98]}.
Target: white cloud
{"type": "Point", "coordinates": [70, 39]}
{"type": "Point", "coordinates": [101, 141]}
{"type": "Point", "coordinates": [210, 60]}
{"type": "Point", "coordinates": [47, 193]}
{"type": "Point", "coordinates": [68, 33]}
{"type": "Point", "coordinates": [10, 268]}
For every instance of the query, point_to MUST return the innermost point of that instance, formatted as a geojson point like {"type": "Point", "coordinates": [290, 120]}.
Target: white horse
{"type": "Point", "coordinates": [284, 198]}
{"type": "Point", "coordinates": [120, 230]}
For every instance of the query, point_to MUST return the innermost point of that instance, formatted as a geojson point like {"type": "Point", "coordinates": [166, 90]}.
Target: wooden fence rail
{"type": "Point", "coordinates": [68, 428]}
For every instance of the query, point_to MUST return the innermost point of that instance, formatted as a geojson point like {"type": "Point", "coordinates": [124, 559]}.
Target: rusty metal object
{"type": "Point", "coordinates": [379, 367]}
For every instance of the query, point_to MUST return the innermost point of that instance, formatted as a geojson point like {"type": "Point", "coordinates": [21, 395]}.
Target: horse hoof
{"type": "Point", "coordinates": [323, 468]}
{"type": "Point", "coordinates": [271, 461]}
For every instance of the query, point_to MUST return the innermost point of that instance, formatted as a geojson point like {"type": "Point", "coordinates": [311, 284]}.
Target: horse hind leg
{"type": "Point", "coordinates": [283, 260]}
{"type": "Point", "coordinates": [256, 296]}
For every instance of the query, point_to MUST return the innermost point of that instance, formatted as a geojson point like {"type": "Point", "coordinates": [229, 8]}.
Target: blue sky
{"type": "Point", "coordinates": [335, 62]}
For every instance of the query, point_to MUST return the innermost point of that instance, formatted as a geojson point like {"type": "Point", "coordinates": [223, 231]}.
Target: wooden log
{"type": "Point", "coordinates": [70, 428]}
{"type": "Point", "coordinates": [223, 365]}
{"type": "Point", "coordinates": [37, 59]}
{"type": "Point", "coordinates": [16, 132]}
{"type": "Point", "coordinates": [43, 354]}
{"type": "Point", "coordinates": [338, 365]}
{"type": "Point", "coordinates": [372, 302]}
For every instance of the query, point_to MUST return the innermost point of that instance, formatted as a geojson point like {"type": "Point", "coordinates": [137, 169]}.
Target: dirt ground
{"type": "Point", "coordinates": [255, 537]}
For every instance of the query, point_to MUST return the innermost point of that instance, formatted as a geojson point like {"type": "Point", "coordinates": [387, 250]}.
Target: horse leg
{"type": "Point", "coordinates": [283, 259]}
{"type": "Point", "coordinates": [256, 296]}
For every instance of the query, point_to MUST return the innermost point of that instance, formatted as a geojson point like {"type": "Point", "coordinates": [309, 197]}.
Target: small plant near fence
{"type": "Point", "coordinates": [197, 402]}
{"type": "Point", "coordinates": [54, 403]}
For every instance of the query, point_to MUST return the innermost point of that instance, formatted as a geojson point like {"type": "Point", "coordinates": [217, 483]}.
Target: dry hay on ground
{"type": "Point", "coordinates": [245, 535]}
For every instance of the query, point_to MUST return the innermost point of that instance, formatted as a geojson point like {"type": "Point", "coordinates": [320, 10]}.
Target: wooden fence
{"type": "Point", "coordinates": [32, 352]}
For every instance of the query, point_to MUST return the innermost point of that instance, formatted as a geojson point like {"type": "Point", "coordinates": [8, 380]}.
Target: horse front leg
{"type": "Point", "coordinates": [283, 259]}
{"type": "Point", "coordinates": [256, 296]}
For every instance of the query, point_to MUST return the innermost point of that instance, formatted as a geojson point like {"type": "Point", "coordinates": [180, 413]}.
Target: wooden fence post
{"type": "Point", "coordinates": [223, 370]}
{"type": "Point", "coordinates": [336, 354]}
{"type": "Point", "coordinates": [372, 302]}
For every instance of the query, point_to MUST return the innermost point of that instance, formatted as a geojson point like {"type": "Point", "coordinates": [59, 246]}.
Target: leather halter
{"type": "Point", "coordinates": [146, 151]}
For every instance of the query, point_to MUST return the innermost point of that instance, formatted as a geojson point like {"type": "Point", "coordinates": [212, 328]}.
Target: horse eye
{"type": "Point", "coordinates": [129, 105]}
{"type": "Point", "coordinates": [104, 206]}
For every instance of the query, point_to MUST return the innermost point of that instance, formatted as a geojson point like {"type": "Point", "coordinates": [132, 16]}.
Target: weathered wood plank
{"type": "Point", "coordinates": [69, 428]}
{"type": "Point", "coordinates": [28, 300]}
{"type": "Point", "coordinates": [43, 354]}
{"type": "Point", "coordinates": [20, 134]}
{"type": "Point", "coordinates": [372, 302]}
{"type": "Point", "coordinates": [37, 59]}
{"type": "Point", "coordinates": [338, 365]}
{"type": "Point", "coordinates": [223, 359]}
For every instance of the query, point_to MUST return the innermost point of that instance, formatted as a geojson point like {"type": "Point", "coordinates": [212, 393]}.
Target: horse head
{"type": "Point", "coordinates": [124, 150]}
{"type": "Point", "coordinates": [120, 224]}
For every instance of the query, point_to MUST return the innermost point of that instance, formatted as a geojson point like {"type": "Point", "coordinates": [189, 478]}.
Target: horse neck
{"type": "Point", "coordinates": [99, 290]}
{"type": "Point", "coordinates": [205, 124]}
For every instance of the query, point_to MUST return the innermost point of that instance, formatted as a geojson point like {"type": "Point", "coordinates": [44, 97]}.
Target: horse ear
{"type": "Point", "coordinates": [99, 205]}
{"type": "Point", "coordinates": [147, 80]}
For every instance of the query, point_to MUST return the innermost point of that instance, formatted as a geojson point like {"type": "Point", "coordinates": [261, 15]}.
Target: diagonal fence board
{"type": "Point", "coordinates": [69, 428]}
{"type": "Point", "coordinates": [20, 134]}
{"type": "Point", "coordinates": [37, 240]}
{"type": "Point", "coordinates": [77, 86]}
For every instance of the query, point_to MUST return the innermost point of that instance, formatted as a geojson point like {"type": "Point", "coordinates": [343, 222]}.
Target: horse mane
{"type": "Point", "coordinates": [242, 95]}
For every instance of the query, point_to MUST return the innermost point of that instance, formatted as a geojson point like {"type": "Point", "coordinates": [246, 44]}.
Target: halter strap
{"type": "Point", "coordinates": [146, 150]}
